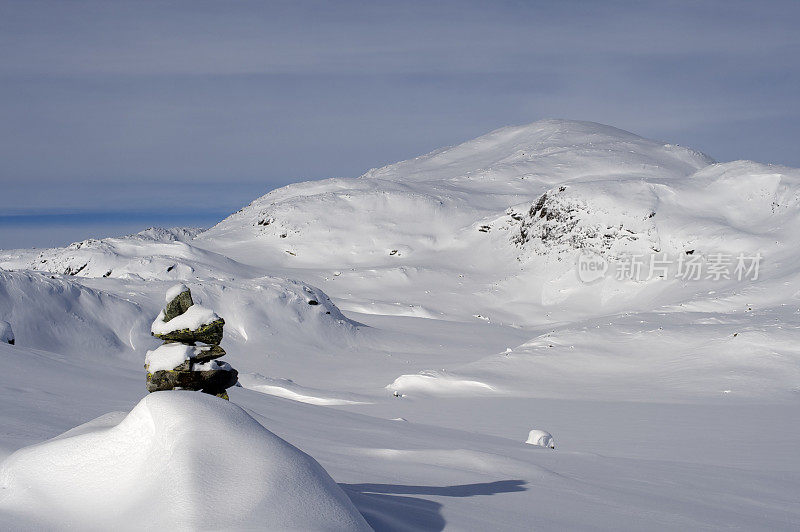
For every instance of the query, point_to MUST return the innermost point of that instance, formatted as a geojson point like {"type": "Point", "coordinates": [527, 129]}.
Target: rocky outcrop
{"type": "Point", "coordinates": [589, 216]}
{"type": "Point", "coordinates": [180, 363]}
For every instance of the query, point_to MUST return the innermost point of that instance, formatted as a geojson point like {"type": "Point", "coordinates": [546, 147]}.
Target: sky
{"type": "Point", "coordinates": [117, 116]}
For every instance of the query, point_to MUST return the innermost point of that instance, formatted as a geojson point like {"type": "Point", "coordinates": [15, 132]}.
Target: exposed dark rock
{"type": "Point", "coordinates": [210, 333]}
{"type": "Point", "coordinates": [213, 382]}
{"type": "Point", "coordinates": [209, 353]}
{"type": "Point", "coordinates": [178, 305]}
{"type": "Point", "coordinates": [74, 271]}
{"type": "Point", "coordinates": [558, 221]}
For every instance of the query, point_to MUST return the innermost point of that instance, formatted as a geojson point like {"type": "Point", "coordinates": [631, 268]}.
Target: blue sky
{"type": "Point", "coordinates": [115, 116]}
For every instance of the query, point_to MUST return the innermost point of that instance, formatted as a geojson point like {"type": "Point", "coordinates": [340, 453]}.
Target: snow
{"type": "Point", "coordinates": [290, 390]}
{"type": "Point", "coordinates": [178, 459]}
{"type": "Point", "coordinates": [437, 383]}
{"type": "Point", "coordinates": [168, 356]}
{"type": "Point", "coordinates": [63, 316]}
{"type": "Point", "coordinates": [154, 254]}
{"type": "Point", "coordinates": [541, 438]}
{"type": "Point", "coordinates": [211, 365]}
{"type": "Point", "coordinates": [175, 291]}
{"type": "Point", "coordinates": [195, 316]}
{"type": "Point", "coordinates": [479, 322]}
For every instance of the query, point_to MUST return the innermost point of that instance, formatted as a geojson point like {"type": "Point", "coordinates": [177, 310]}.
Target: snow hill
{"type": "Point", "coordinates": [410, 327]}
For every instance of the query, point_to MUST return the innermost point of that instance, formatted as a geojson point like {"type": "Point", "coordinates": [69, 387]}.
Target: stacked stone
{"type": "Point", "coordinates": [188, 359]}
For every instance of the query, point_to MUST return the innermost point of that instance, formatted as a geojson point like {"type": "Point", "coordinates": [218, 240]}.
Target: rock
{"type": "Point", "coordinates": [210, 333]}
{"type": "Point", "coordinates": [213, 382]}
{"type": "Point", "coordinates": [209, 353]}
{"type": "Point", "coordinates": [6, 334]}
{"type": "Point", "coordinates": [178, 304]}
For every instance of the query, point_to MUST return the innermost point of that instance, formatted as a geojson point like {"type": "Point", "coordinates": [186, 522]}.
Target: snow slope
{"type": "Point", "coordinates": [63, 316]}
{"type": "Point", "coordinates": [409, 328]}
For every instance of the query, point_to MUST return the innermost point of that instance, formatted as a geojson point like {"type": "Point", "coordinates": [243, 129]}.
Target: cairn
{"type": "Point", "coordinates": [180, 363]}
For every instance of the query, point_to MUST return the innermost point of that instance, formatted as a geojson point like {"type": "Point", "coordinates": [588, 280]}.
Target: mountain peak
{"type": "Point", "coordinates": [550, 147]}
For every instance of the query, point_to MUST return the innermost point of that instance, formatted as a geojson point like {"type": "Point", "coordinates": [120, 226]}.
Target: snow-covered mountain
{"type": "Point", "coordinates": [616, 291]}
{"type": "Point", "coordinates": [436, 204]}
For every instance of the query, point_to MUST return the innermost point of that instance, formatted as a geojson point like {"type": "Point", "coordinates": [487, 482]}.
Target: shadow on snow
{"type": "Point", "coordinates": [388, 507]}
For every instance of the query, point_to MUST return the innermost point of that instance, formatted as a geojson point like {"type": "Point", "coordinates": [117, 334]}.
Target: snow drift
{"type": "Point", "coordinates": [63, 316]}
{"type": "Point", "coordinates": [178, 459]}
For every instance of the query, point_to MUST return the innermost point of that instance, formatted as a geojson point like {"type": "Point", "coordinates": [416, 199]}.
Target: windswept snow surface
{"type": "Point", "coordinates": [408, 328]}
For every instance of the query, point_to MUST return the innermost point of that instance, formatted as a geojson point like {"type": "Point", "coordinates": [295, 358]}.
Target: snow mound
{"type": "Point", "coordinates": [178, 459]}
{"type": "Point", "coordinates": [288, 389]}
{"type": "Point", "coordinates": [541, 438]}
{"type": "Point", "coordinates": [439, 383]}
